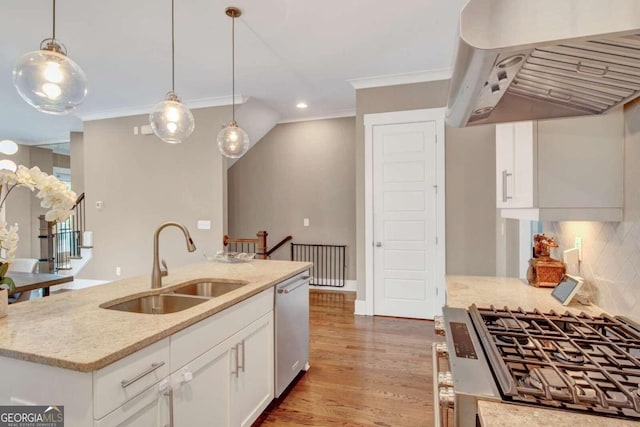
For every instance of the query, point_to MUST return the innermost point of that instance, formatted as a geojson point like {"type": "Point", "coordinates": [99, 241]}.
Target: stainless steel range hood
{"type": "Point", "coordinates": [527, 60]}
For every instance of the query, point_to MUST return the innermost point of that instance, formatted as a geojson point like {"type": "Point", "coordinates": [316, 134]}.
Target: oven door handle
{"type": "Point", "coordinates": [436, 387]}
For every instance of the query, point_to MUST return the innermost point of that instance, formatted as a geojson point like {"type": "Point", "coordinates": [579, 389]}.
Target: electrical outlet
{"type": "Point", "coordinates": [570, 258]}
{"type": "Point", "coordinates": [118, 271]}
{"type": "Point", "coordinates": [204, 224]}
{"type": "Point", "coordinates": [305, 222]}
{"type": "Point", "coordinates": [578, 246]}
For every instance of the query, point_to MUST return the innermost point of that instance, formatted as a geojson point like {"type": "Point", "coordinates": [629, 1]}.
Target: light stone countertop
{"type": "Point", "coordinates": [495, 414]}
{"type": "Point", "coordinates": [69, 330]}
{"type": "Point", "coordinates": [484, 291]}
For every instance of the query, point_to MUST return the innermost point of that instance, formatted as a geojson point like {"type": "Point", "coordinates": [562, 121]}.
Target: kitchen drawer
{"type": "Point", "coordinates": [194, 341]}
{"type": "Point", "coordinates": [140, 370]}
{"type": "Point", "coordinates": [149, 408]}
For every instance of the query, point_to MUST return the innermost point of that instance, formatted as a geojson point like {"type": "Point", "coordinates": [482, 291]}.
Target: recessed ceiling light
{"type": "Point", "coordinates": [8, 147]}
{"type": "Point", "coordinates": [301, 105]}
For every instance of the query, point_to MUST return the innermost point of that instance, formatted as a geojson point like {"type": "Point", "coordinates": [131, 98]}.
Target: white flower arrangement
{"type": "Point", "coordinates": [54, 194]}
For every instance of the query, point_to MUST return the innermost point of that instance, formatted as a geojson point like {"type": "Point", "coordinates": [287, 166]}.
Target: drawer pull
{"type": "Point", "coordinates": [153, 367]}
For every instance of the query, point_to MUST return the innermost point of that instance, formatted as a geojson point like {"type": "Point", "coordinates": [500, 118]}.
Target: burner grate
{"type": "Point", "coordinates": [566, 361]}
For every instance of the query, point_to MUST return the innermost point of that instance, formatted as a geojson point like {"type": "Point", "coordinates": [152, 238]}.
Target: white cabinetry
{"type": "Point", "coordinates": [117, 383]}
{"type": "Point", "coordinates": [515, 163]}
{"type": "Point", "coordinates": [562, 169]}
{"type": "Point", "coordinates": [150, 408]}
{"type": "Point", "coordinates": [217, 372]}
{"type": "Point", "coordinates": [201, 390]}
{"type": "Point", "coordinates": [231, 379]}
{"type": "Point", "coordinates": [252, 384]}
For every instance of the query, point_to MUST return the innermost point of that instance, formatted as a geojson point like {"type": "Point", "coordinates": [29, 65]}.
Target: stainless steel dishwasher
{"type": "Point", "coordinates": [291, 329]}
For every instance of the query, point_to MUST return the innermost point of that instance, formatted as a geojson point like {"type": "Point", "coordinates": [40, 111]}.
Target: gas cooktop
{"type": "Point", "coordinates": [565, 361]}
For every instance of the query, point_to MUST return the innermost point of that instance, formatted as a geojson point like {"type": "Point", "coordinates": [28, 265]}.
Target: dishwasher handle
{"type": "Point", "coordinates": [288, 289]}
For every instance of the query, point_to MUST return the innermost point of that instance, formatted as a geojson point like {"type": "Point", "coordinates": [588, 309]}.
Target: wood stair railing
{"type": "Point", "coordinates": [257, 245]}
{"type": "Point", "coordinates": [61, 242]}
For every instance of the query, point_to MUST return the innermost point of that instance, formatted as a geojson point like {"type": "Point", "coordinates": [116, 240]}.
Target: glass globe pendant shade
{"type": "Point", "coordinates": [49, 80]}
{"type": "Point", "coordinates": [8, 147]}
{"type": "Point", "coordinates": [171, 121]}
{"type": "Point", "coordinates": [233, 141]}
{"type": "Point", "coordinates": [9, 165]}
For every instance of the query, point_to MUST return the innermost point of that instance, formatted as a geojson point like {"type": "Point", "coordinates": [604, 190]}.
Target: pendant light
{"type": "Point", "coordinates": [233, 141]}
{"type": "Point", "coordinates": [48, 79]}
{"type": "Point", "coordinates": [170, 120]}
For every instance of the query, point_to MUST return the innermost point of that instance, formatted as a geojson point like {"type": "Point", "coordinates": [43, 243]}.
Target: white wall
{"type": "Point", "coordinates": [143, 182]}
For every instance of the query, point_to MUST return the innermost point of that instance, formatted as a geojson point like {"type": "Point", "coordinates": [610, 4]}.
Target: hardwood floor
{"type": "Point", "coordinates": [365, 371]}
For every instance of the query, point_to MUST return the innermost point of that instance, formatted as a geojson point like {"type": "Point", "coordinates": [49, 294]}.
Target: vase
{"type": "Point", "coordinates": [4, 302]}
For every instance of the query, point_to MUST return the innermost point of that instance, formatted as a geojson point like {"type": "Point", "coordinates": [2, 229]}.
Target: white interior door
{"type": "Point", "coordinates": [404, 219]}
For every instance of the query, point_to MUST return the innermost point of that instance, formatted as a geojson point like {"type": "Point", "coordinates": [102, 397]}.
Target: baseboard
{"type": "Point", "coordinates": [349, 286]}
{"type": "Point", "coordinates": [361, 308]}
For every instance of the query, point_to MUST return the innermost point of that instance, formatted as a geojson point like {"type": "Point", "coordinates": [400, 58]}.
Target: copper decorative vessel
{"type": "Point", "coordinates": [544, 271]}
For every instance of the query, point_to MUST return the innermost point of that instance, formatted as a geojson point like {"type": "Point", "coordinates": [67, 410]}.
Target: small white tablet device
{"type": "Point", "coordinates": [567, 288]}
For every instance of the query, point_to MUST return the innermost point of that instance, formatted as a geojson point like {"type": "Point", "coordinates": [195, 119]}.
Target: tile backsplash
{"type": "Point", "coordinates": [610, 261]}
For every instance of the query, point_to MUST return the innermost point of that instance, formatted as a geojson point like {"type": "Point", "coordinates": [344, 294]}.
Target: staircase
{"type": "Point", "coordinates": [66, 247]}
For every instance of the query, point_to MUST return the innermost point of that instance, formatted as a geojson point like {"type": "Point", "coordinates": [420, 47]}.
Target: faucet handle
{"type": "Point", "coordinates": [165, 271]}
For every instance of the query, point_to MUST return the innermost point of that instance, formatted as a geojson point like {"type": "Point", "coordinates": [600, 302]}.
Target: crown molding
{"type": "Point", "coordinates": [218, 101]}
{"type": "Point", "coordinates": [44, 142]}
{"type": "Point", "coordinates": [336, 115]}
{"type": "Point", "coordinates": [401, 79]}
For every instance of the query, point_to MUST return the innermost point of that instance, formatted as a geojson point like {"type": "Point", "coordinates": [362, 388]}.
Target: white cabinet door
{"type": "Point", "coordinates": [252, 375]}
{"type": "Point", "coordinates": [149, 409]}
{"type": "Point", "coordinates": [504, 164]}
{"type": "Point", "coordinates": [561, 170]}
{"type": "Point", "coordinates": [515, 161]}
{"type": "Point", "coordinates": [201, 389]}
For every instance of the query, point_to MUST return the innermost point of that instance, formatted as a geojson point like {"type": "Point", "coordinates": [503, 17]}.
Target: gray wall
{"type": "Point", "coordinates": [61, 161]}
{"type": "Point", "coordinates": [298, 170]}
{"type": "Point", "coordinates": [144, 182]}
{"type": "Point", "coordinates": [77, 162]}
{"type": "Point", "coordinates": [470, 164]}
{"type": "Point", "coordinates": [470, 200]}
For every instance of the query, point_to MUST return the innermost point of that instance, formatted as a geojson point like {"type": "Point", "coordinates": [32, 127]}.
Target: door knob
{"type": "Point", "coordinates": [378, 244]}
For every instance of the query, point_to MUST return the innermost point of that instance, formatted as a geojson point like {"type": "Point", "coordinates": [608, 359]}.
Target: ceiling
{"type": "Point", "coordinates": [286, 51]}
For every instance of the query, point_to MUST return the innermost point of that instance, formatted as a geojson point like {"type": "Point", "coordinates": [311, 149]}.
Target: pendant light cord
{"type": "Point", "coordinates": [54, 19]}
{"type": "Point", "coordinates": [233, 67]}
{"type": "Point", "coordinates": [173, 52]}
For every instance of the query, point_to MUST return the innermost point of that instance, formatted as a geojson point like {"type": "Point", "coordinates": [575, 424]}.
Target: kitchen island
{"type": "Point", "coordinates": [98, 362]}
{"type": "Point", "coordinates": [463, 291]}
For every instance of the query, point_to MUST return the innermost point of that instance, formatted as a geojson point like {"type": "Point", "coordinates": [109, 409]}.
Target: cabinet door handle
{"type": "Point", "coordinates": [169, 394]}
{"type": "Point", "coordinates": [294, 286]}
{"type": "Point", "coordinates": [153, 367]}
{"type": "Point", "coordinates": [505, 196]}
{"type": "Point", "coordinates": [235, 350]}
{"type": "Point", "coordinates": [242, 366]}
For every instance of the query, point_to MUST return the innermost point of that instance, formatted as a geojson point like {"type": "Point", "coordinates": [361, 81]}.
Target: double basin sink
{"type": "Point", "coordinates": [177, 298]}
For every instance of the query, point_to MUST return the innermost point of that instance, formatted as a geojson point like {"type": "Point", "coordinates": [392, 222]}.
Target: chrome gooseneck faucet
{"type": "Point", "coordinates": [157, 273]}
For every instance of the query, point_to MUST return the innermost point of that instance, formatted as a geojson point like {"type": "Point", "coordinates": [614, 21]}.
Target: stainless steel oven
{"type": "Point", "coordinates": [588, 364]}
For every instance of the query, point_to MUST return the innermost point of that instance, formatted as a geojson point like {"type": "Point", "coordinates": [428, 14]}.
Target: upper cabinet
{"type": "Point", "coordinates": [561, 170]}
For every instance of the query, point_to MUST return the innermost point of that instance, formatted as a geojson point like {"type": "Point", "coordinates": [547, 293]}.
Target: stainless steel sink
{"type": "Point", "coordinates": [157, 304]}
{"type": "Point", "coordinates": [209, 287]}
